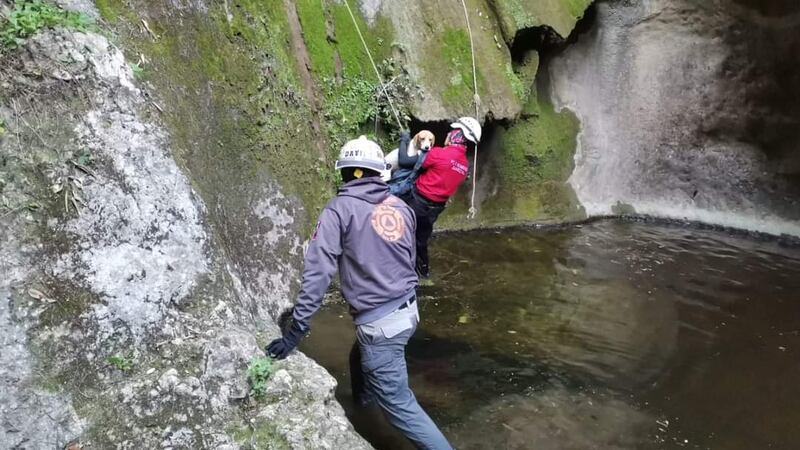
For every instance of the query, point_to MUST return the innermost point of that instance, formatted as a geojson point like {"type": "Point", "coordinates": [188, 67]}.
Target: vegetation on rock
{"type": "Point", "coordinates": [31, 16]}
{"type": "Point", "coordinates": [354, 101]}
{"type": "Point", "coordinates": [258, 374]}
{"type": "Point", "coordinates": [561, 15]}
{"type": "Point", "coordinates": [120, 363]}
{"type": "Point", "coordinates": [527, 172]}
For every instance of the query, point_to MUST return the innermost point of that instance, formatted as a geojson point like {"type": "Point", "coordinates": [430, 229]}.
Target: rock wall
{"type": "Point", "coordinates": [688, 110]}
{"type": "Point", "coordinates": [158, 177]}
{"type": "Point", "coordinates": [126, 321]}
{"type": "Point", "coordinates": [519, 15]}
{"type": "Point", "coordinates": [159, 174]}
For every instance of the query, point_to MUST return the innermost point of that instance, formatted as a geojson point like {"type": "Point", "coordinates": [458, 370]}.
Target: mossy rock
{"type": "Point", "coordinates": [560, 15]}
{"type": "Point", "coordinates": [230, 93]}
{"type": "Point", "coordinates": [524, 176]}
{"type": "Point", "coordinates": [433, 41]}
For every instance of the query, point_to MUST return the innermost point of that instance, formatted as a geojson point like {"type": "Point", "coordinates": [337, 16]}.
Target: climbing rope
{"type": "Point", "coordinates": [374, 67]}
{"type": "Point", "coordinates": [477, 100]}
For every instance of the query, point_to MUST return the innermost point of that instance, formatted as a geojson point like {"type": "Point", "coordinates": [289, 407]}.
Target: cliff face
{"type": "Point", "coordinates": [160, 171]}
{"type": "Point", "coordinates": [126, 323]}
{"type": "Point", "coordinates": [151, 234]}
{"type": "Point", "coordinates": [688, 110]}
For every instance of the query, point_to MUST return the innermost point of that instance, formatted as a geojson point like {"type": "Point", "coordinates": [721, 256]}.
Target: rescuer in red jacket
{"type": "Point", "coordinates": [443, 171]}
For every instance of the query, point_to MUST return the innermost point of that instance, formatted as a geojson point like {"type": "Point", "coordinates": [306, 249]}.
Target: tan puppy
{"type": "Point", "coordinates": [421, 142]}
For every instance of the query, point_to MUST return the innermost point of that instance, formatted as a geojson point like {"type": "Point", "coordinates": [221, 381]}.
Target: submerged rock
{"type": "Point", "coordinates": [555, 418]}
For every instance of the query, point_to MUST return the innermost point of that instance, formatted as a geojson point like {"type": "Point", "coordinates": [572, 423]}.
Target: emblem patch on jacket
{"type": "Point", "coordinates": [388, 222]}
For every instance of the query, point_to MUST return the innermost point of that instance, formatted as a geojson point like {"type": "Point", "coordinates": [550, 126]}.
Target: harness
{"type": "Point", "coordinates": [402, 181]}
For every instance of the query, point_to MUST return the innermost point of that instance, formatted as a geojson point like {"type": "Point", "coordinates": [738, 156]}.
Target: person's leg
{"type": "Point", "coordinates": [423, 232]}
{"type": "Point", "coordinates": [386, 376]}
{"type": "Point", "coordinates": [361, 396]}
{"type": "Point", "coordinates": [423, 235]}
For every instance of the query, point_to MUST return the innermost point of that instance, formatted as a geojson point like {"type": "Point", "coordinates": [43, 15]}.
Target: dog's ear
{"type": "Point", "coordinates": [415, 141]}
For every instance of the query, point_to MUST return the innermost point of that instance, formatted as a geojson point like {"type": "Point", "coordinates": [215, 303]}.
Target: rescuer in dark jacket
{"type": "Point", "coordinates": [369, 235]}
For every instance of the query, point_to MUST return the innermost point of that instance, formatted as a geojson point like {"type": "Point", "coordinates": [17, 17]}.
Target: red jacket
{"type": "Point", "coordinates": [444, 170]}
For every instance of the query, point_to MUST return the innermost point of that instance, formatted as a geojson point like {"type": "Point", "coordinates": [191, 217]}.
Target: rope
{"type": "Point", "coordinates": [477, 100]}
{"type": "Point", "coordinates": [374, 67]}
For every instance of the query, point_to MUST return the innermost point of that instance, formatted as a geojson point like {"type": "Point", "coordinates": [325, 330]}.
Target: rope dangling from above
{"type": "Point", "coordinates": [374, 67]}
{"type": "Point", "coordinates": [477, 100]}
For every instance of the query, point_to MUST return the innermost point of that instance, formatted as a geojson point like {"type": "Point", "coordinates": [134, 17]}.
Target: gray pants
{"type": "Point", "coordinates": [383, 376]}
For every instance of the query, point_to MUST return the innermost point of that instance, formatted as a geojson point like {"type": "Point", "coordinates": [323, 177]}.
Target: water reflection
{"type": "Point", "coordinates": [611, 335]}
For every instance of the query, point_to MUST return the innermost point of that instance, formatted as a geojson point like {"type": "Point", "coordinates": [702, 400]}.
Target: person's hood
{"type": "Point", "coordinates": [371, 189]}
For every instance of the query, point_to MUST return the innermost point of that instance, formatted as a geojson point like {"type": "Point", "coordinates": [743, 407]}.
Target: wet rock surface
{"type": "Point", "coordinates": [688, 110]}
{"type": "Point", "coordinates": [432, 41]}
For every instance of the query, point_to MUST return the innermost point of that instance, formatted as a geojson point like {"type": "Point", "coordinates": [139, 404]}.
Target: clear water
{"type": "Point", "coordinates": [609, 336]}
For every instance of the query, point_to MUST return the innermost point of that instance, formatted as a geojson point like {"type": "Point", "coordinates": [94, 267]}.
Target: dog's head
{"type": "Point", "coordinates": [424, 140]}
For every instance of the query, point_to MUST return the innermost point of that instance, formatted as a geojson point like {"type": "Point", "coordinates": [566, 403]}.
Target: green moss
{"type": "Point", "coordinates": [344, 74]}
{"type": "Point", "coordinates": [577, 7]}
{"type": "Point", "coordinates": [520, 89]}
{"type": "Point", "coordinates": [450, 61]}
{"type": "Point", "coordinates": [540, 148]}
{"type": "Point", "coordinates": [317, 16]}
{"type": "Point", "coordinates": [349, 89]}
{"type": "Point", "coordinates": [320, 49]}
{"type": "Point", "coordinates": [561, 15]}
{"type": "Point", "coordinates": [231, 97]}
{"type": "Point", "coordinates": [112, 11]}
{"type": "Point", "coordinates": [528, 69]}
{"type": "Point", "coordinates": [529, 168]}
{"type": "Point", "coordinates": [354, 58]}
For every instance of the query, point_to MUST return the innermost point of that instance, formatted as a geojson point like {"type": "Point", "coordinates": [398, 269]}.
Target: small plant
{"type": "Point", "coordinates": [30, 16]}
{"type": "Point", "coordinates": [85, 159]}
{"type": "Point", "coordinates": [3, 129]}
{"type": "Point", "coordinates": [519, 88]}
{"type": "Point", "coordinates": [138, 71]}
{"type": "Point", "coordinates": [258, 374]}
{"type": "Point", "coordinates": [120, 362]}
{"type": "Point", "coordinates": [355, 106]}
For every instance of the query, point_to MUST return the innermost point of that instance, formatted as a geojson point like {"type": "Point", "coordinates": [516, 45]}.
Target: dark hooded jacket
{"type": "Point", "coordinates": [369, 235]}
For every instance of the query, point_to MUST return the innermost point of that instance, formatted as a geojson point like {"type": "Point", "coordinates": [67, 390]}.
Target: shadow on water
{"type": "Point", "coordinates": [611, 335]}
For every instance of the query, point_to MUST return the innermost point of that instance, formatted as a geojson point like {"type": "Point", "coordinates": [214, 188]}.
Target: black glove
{"type": "Point", "coordinates": [281, 347]}
{"type": "Point", "coordinates": [405, 138]}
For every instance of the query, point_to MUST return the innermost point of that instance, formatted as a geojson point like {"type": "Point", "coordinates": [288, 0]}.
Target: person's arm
{"type": "Point", "coordinates": [430, 159]}
{"type": "Point", "coordinates": [321, 263]}
{"type": "Point", "coordinates": [403, 160]}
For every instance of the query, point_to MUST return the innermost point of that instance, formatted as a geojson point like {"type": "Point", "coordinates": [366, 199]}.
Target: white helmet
{"type": "Point", "coordinates": [362, 153]}
{"type": "Point", "coordinates": [470, 127]}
